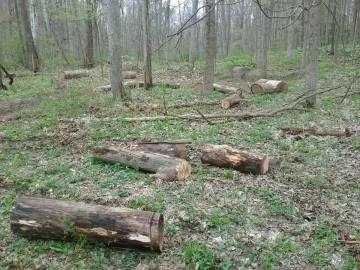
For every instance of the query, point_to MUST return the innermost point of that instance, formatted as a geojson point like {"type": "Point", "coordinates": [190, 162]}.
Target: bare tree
{"type": "Point", "coordinates": [194, 36]}
{"type": "Point", "coordinates": [210, 47]}
{"type": "Point", "coordinates": [117, 86]}
{"type": "Point", "coordinates": [291, 37]}
{"type": "Point", "coordinates": [147, 50]}
{"type": "Point", "coordinates": [89, 34]}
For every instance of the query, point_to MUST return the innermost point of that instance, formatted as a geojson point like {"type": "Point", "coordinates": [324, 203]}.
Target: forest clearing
{"type": "Point", "coordinates": [222, 156]}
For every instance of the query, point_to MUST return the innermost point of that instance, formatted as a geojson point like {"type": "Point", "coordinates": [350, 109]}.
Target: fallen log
{"type": "Point", "coordinates": [165, 167]}
{"type": "Point", "coordinates": [129, 74]}
{"type": "Point", "coordinates": [313, 131]}
{"type": "Point", "coordinates": [136, 84]}
{"type": "Point", "coordinates": [71, 74]}
{"type": "Point", "coordinates": [229, 90]}
{"type": "Point", "coordinates": [268, 86]}
{"type": "Point", "coordinates": [114, 226]}
{"type": "Point", "coordinates": [230, 101]}
{"type": "Point", "coordinates": [226, 157]}
{"type": "Point", "coordinates": [157, 107]}
{"type": "Point", "coordinates": [171, 148]}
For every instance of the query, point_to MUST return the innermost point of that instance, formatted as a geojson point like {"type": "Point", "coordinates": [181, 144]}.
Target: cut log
{"type": "Point", "coordinates": [268, 86]}
{"type": "Point", "coordinates": [230, 101]}
{"type": "Point", "coordinates": [221, 88]}
{"type": "Point", "coordinates": [226, 157]}
{"type": "Point", "coordinates": [71, 74]}
{"type": "Point", "coordinates": [129, 75]}
{"type": "Point", "coordinates": [114, 226]}
{"type": "Point", "coordinates": [313, 131]}
{"type": "Point", "coordinates": [165, 167]}
{"type": "Point", "coordinates": [171, 148]}
{"type": "Point", "coordinates": [135, 84]}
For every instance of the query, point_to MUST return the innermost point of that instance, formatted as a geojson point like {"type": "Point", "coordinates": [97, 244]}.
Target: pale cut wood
{"type": "Point", "coordinates": [171, 148]}
{"type": "Point", "coordinates": [72, 74]}
{"type": "Point", "coordinates": [230, 101]}
{"type": "Point", "coordinates": [226, 157]}
{"type": "Point", "coordinates": [313, 131]}
{"type": "Point", "coordinates": [114, 226]}
{"type": "Point", "coordinates": [268, 86]}
{"type": "Point", "coordinates": [129, 74]}
{"type": "Point", "coordinates": [229, 90]}
{"type": "Point", "coordinates": [176, 168]}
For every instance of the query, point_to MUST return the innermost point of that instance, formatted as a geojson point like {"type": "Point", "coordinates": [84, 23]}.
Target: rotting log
{"type": "Point", "coordinates": [72, 74]}
{"type": "Point", "coordinates": [114, 226]}
{"type": "Point", "coordinates": [129, 74]}
{"type": "Point", "coordinates": [226, 157]}
{"type": "Point", "coordinates": [165, 167]}
{"type": "Point", "coordinates": [230, 101]}
{"type": "Point", "coordinates": [176, 148]}
{"type": "Point", "coordinates": [229, 90]}
{"type": "Point", "coordinates": [313, 131]}
{"type": "Point", "coordinates": [268, 86]}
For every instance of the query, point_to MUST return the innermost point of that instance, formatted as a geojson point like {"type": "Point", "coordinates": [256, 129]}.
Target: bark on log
{"type": "Point", "coordinates": [230, 101]}
{"type": "Point", "coordinates": [134, 84]}
{"type": "Point", "coordinates": [313, 131]}
{"type": "Point", "coordinates": [165, 167]}
{"type": "Point", "coordinates": [55, 219]}
{"type": "Point", "coordinates": [229, 90]}
{"type": "Point", "coordinates": [71, 74]}
{"type": "Point", "coordinates": [129, 74]}
{"type": "Point", "coordinates": [268, 86]}
{"type": "Point", "coordinates": [171, 148]}
{"type": "Point", "coordinates": [227, 157]}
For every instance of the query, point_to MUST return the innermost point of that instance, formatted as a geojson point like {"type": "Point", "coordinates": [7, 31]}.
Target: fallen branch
{"type": "Point", "coordinates": [313, 131]}
{"type": "Point", "coordinates": [207, 120]}
{"type": "Point", "coordinates": [349, 87]}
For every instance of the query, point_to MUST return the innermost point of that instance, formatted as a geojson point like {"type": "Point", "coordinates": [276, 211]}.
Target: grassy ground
{"type": "Point", "coordinates": [290, 218]}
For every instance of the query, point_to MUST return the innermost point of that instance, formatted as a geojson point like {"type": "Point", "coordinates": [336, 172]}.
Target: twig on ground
{"type": "Point", "coordinates": [203, 116]}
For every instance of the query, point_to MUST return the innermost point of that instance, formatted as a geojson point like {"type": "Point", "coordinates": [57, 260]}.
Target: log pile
{"type": "Point", "coordinates": [114, 226]}
{"type": "Point", "coordinates": [268, 86]}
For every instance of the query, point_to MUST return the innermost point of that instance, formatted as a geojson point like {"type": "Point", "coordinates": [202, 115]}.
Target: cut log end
{"type": "Point", "coordinates": [230, 101]}
{"type": "Point", "coordinates": [256, 89]}
{"type": "Point", "coordinates": [268, 86]}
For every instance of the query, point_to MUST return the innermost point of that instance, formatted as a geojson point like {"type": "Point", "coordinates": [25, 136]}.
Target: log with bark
{"type": "Point", "coordinates": [135, 84]}
{"type": "Point", "coordinates": [268, 86]}
{"type": "Point", "coordinates": [313, 131]}
{"type": "Point", "coordinates": [114, 226]}
{"type": "Point", "coordinates": [176, 148]}
{"type": "Point", "coordinates": [165, 167]}
{"type": "Point", "coordinates": [230, 101]}
{"type": "Point", "coordinates": [229, 90]}
{"type": "Point", "coordinates": [72, 74]}
{"type": "Point", "coordinates": [129, 74]}
{"type": "Point", "coordinates": [226, 157]}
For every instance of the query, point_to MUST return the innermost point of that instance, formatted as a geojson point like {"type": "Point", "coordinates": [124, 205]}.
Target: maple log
{"type": "Point", "coordinates": [230, 101]}
{"type": "Point", "coordinates": [114, 226]}
{"type": "Point", "coordinates": [229, 90]}
{"type": "Point", "coordinates": [165, 167]}
{"type": "Point", "coordinates": [170, 148]}
{"type": "Point", "coordinates": [71, 74]}
{"type": "Point", "coordinates": [129, 74]}
{"type": "Point", "coordinates": [268, 86]}
{"type": "Point", "coordinates": [313, 131]}
{"type": "Point", "coordinates": [226, 157]}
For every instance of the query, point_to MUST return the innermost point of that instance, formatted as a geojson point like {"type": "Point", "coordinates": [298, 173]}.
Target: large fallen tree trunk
{"type": "Point", "coordinates": [313, 131]}
{"type": "Point", "coordinates": [171, 148]}
{"type": "Point", "coordinates": [71, 74]}
{"type": "Point", "coordinates": [268, 86]}
{"type": "Point", "coordinates": [134, 84]}
{"type": "Point", "coordinates": [129, 74]}
{"type": "Point", "coordinates": [114, 226]}
{"type": "Point", "coordinates": [165, 167]}
{"type": "Point", "coordinates": [230, 101]}
{"type": "Point", "coordinates": [226, 157]}
{"type": "Point", "coordinates": [229, 90]}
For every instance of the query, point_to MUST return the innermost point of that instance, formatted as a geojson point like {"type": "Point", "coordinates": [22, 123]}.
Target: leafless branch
{"type": "Point", "coordinates": [350, 85]}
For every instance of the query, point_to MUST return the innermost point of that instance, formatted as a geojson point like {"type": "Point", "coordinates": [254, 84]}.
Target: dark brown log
{"type": "Point", "coordinates": [165, 167]}
{"type": "Point", "coordinates": [313, 131]}
{"type": "Point", "coordinates": [129, 74]}
{"type": "Point", "coordinates": [171, 148]}
{"type": "Point", "coordinates": [230, 101]}
{"type": "Point", "coordinates": [268, 86]}
{"type": "Point", "coordinates": [55, 219]}
{"type": "Point", "coordinates": [229, 90]}
{"type": "Point", "coordinates": [71, 74]}
{"type": "Point", "coordinates": [227, 157]}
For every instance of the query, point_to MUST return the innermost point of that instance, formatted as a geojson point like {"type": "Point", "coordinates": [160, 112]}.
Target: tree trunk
{"type": "Point", "coordinates": [32, 59]}
{"type": "Point", "coordinates": [291, 38]}
{"type": "Point", "coordinates": [114, 26]}
{"type": "Point", "coordinates": [230, 101]}
{"type": "Point", "coordinates": [354, 28]}
{"type": "Point", "coordinates": [114, 226]}
{"type": "Point", "coordinates": [20, 31]}
{"type": "Point", "coordinates": [313, 131]}
{"type": "Point", "coordinates": [89, 35]}
{"type": "Point", "coordinates": [220, 88]}
{"type": "Point", "coordinates": [226, 157]}
{"type": "Point", "coordinates": [306, 30]}
{"type": "Point", "coordinates": [210, 47]}
{"type": "Point", "coordinates": [311, 80]}
{"type": "Point", "coordinates": [147, 45]}
{"type": "Point", "coordinates": [268, 86]}
{"type": "Point", "coordinates": [72, 74]}
{"type": "Point", "coordinates": [165, 167]}
{"type": "Point", "coordinates": [333, 32]}
{"type": "Point", "coordinates": [193, 37]}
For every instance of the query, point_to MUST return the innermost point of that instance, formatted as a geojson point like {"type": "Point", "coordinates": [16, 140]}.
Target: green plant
{"type": "Point", "coordinates": [198, 256]}
{"type": "Point", "coordinates": [123, 193]}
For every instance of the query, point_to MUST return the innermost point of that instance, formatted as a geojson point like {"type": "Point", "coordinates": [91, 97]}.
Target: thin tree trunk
{"type": "Point", "coordinates": [291, 39]}
{"type": "Point", "coordinates": [89, 35]}
{"type": "Point", "coordinates": [193, 37]}
{"type": "Point", "coordinates": [167, 30]}
{"type": "Point", "coordinates": [147, 52]}
{"type": "Point", "coordinates": [304, 58]}
{"type": "Point", "coordinates": [20, 31]}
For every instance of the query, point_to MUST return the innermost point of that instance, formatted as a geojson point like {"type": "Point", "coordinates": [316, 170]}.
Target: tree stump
{"type": "Point", "coordinates": [226, 157]}
{"type": "Point", "coordinates": [268, 86]}
{"type": "Point", "coordinates": [71, 74]}
{"type": "Point", "coordinates": [55, 219]}
{"type": "Point", "coordinates": [230, 101]}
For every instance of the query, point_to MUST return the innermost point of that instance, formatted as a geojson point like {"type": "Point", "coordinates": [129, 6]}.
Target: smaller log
{"type": "Point", "coordinates": [268, 86]}
{"type": "Point", "coordinates": [71, 74]}
{"type": "Point", "coordinates": [230, 101]}
{"type": "Point", "coordinates": [313, 131]}
{"type": "Point", "coordinates": [226, 157]}
{"type": "Point", "coordinates": [129, 74]}
{"type": "Point", "coordinates": [107, 88]}
{"type": "Point", "coordinates": [165, 167]}
{"type": "Point", "coordinates": [114, 226]}
{"type": "Point", "coordinates": [171, 148]}
{"type": "Point", "coordinates": [229, 90]}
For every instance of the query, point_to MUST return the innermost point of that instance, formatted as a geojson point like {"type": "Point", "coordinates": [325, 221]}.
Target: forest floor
{"type": "Point", "coordinates": [290, 218]}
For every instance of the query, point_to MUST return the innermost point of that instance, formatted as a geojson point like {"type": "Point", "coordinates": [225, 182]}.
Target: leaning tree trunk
{"type": "Point", "coordinates": [147, 46]}
{"type": "Point", "coordinates": [210, 47]}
